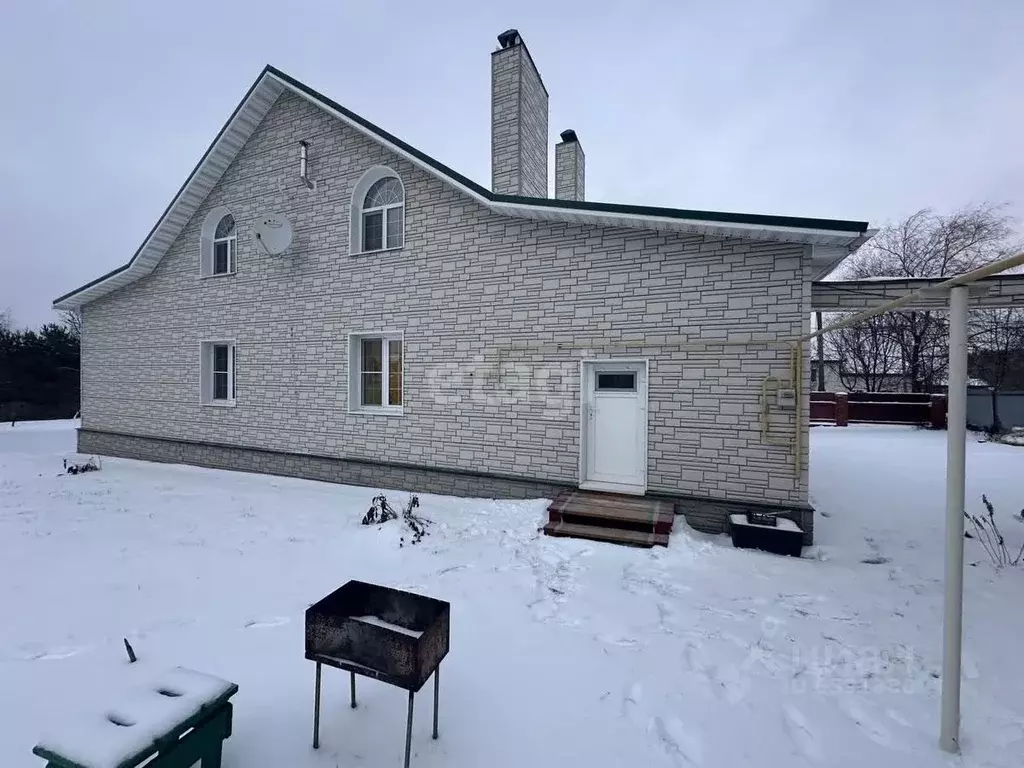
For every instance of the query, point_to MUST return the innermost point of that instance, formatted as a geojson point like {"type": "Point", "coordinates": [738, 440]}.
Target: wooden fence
{"type": "Point", "coordinates": [841, 408]}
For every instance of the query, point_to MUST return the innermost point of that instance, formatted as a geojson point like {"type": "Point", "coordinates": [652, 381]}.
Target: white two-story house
{"type": "Point", "coordinates": [421, 331]}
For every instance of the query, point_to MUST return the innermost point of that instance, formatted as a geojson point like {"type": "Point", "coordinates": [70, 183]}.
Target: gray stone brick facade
{"type": "Point", "coordinates": [519, 124]}
{"type": "Point", "coordinates": [570, 165]}
{"type": "Point", "coordinates": [497, 314]}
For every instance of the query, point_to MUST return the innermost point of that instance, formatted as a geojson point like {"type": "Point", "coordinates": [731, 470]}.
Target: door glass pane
{"type": "Point", "coordinates": [624, 381]}
{"type": "Point", "coordinates": [373, 231]}
{"type": "Point", "coordinates": [394, 227]}
{"type": "Point", "coordinates": [394, 372]}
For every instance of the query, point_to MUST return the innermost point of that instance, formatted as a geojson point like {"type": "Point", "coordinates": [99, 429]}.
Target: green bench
{"type": "Point", "coordinates": [181, 718]}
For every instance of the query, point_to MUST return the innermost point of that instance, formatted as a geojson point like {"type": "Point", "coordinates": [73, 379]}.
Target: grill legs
{"type": "Point", "coordinates": [352, 692]}
{"type": "Point", "coordinates": [408, 731]}
{"type": "Point", "coordinates": [409, 722]}
{"type": "Point", "coordinates": [437, 688]}
{"type": "Point", "coordinates": [316, 710]}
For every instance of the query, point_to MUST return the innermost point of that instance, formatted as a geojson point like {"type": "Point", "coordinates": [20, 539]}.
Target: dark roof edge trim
{"type": "Point", "coordinates": [795, 222]}
{"type": "Point", "coordinates": [481, 192]}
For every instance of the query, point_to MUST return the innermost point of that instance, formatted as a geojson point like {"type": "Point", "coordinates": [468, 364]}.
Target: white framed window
{"type": "Point", "coordinates": [217, 372]}
{"type": "Point", "coordinates": [383, 215]}
{"type": "Point", "coordinates": [224, 243]}
{"type": "Point", "coordinates": [378, 212]}
{"type": "Point", "coordinates": [218, 243]}
{"type": "Point", "coordinates": [376, 364]}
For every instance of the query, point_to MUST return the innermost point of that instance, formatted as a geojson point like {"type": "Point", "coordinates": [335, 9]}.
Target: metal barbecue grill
{"type": "Point", "coordinates": [393, 636]}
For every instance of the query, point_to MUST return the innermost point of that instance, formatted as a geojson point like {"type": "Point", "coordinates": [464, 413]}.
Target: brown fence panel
{"type": "Point", "coordinates": [888, 397]}
{"type": "Point", "coordinates": [823, 410]}
{"type": "Point", "coordinates": [879, 408]}
{"type": "Point", "coordinates": [891, 412]}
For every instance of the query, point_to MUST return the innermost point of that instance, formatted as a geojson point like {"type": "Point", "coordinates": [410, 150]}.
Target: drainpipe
{"type": "Point", "coordinates": [821, 353]}
{"type": "Point", "coordinates": [303, 161]}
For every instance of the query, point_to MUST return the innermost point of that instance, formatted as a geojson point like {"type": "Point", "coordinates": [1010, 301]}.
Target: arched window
{"type": "Point", "coordinates": [378, 211]}
{"type": "Point", "coordinates": [224, 243]}
{"type": "Point", "coordinates": [383, 214]}
{"type": "Point", "coordinates": [218, 243]}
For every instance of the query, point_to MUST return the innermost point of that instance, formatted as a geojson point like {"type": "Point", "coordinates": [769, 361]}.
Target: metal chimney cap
{"type": "Point", "coordinates": [569, 135]}
{"type": "Point", "coordinates": [509, 37]}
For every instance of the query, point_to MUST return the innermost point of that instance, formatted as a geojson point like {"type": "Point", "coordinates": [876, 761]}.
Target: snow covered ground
{"type": "Point", "coordinates": [563, 652]}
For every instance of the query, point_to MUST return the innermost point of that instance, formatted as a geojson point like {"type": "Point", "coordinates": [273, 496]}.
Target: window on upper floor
{"type": "Point", "coordinates": [224, 243]}
{"type": "Point", "coordinates": [218, 243]}
{"type": "Point", "coordinates": [217, 372]}
{"type": "Point", "coordinates": [376, 368]}
{"type": "Point", "coordinates": [378, 212]}
{"type": "Point", "coordinates": [383, 215]}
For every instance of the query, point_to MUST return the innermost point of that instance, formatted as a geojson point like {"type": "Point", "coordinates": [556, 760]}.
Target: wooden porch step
{"type": "Point", "coordinates": [613, 535]}
{"type": "Point", "coordinates": [635, 520]}
{"type": "Point", "coordinates": [635, 513]}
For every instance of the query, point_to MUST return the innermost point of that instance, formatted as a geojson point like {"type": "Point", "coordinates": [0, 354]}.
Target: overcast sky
{"type": "Point", "coordinates": [856, 110]}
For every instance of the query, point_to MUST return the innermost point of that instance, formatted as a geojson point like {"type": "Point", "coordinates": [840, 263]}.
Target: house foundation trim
{"type": "Point", "coordinates": [702, 513]}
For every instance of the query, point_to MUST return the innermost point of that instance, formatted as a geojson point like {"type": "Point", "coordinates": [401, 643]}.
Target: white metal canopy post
{"type": "Point", "coordinates": [956, 440]}
{"type": "Point", "coordinates": [956, 449]}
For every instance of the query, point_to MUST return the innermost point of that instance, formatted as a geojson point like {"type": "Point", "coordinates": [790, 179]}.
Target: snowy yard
{"type": "Point", "coordinates": [563, 653]}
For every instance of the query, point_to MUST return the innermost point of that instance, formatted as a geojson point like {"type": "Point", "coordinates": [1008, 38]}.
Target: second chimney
{"type": "Point", "coordinates": [519, 121]}
{"type": "Point", "coordinates": [569, 166]}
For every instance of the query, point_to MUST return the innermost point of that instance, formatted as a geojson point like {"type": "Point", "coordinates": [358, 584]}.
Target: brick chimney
{"type": "Point", "coordinates": [569, 164]}
{"type": "Point", "coordinates": [519, 121]}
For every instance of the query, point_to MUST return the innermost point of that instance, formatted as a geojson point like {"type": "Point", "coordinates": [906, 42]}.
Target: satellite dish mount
{"type": "Point", "coordinates": [273, 234]}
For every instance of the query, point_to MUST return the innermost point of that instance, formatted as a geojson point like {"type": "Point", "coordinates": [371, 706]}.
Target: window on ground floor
{"type": "Point", "coordinates": [376, 372]}
{"type": "Point", "coordinates": [217, 369]}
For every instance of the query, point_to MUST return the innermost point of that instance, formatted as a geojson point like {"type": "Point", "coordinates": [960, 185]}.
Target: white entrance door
{"type": "Point", "coordinates": [614, 412]}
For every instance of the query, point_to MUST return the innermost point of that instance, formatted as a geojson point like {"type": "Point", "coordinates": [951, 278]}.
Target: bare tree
{"type": "Point", "coordinates": [996, 343]}
{"type": "Point", "coordinates": [868, 355]}
{"type": "Point", "coordinates": [72, 320]}
{"type": "Point", "coordinates": [927, 244]}
{"type": "Point", "coordinates": [5, 320]}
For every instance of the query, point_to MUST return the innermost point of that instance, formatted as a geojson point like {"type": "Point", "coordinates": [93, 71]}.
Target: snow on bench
{"type": "Point", "coordinates": [148, 720]}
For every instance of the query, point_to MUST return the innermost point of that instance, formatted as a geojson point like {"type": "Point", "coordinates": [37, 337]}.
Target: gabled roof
{"type": "Point", "coordinates": [832, 239]}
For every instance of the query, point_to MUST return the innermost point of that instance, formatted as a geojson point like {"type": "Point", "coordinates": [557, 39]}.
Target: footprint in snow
{"type": "Point", "coordinates": [730, 683]}
{"type": "Point", "coordinates": [694, 658]}
{"type": "Point", "coordinates": [873, 729]}
{"type": "Point", "coordinates": [876, 558]}
{"type": "Point", "coordinates": [800, 733]}
{"type": "Point", "coordinates": [684, 746]}
{"type": "Point", "coordinates": [56, 654]}
{"type": "Point", "coordinates": [669, 617]}
{"type": "Point", "coordinates": [274, 621]}
{"type": "Point", "coordinates": [631, 703]}
{"type": "Point", "coordinates": [450, 569]}
{"type": "Point", "coordinates": [897, 717]}
{"type": "Point", "coordinates": [618, 640]}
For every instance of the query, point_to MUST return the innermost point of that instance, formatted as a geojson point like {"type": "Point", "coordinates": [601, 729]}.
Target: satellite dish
{"type": "Point", "coordinates": [273, 233]}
